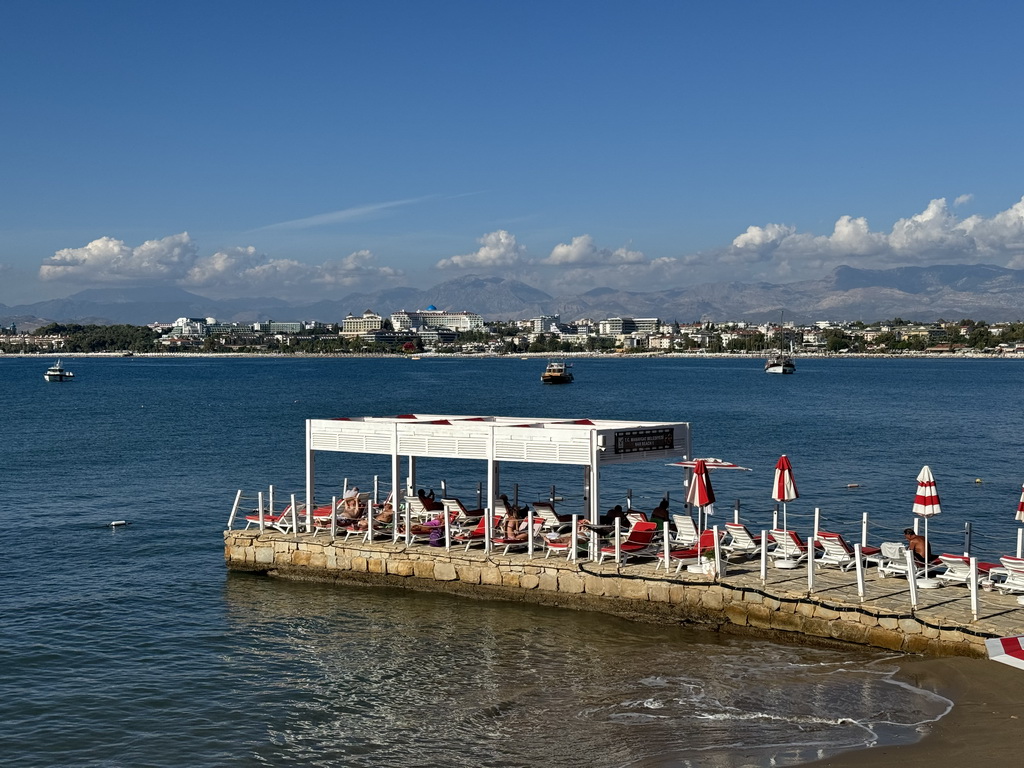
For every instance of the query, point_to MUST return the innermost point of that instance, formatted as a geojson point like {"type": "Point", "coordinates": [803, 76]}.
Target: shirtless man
{"type": "Point", "coordinates": [916, 544]}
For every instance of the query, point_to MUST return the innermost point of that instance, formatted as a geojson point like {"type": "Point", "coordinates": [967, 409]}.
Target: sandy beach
{"type": "Point", "coordinates": [987, 720]}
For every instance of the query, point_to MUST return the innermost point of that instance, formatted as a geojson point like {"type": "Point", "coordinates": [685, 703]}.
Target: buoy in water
{"type": "Point", "coordinates": [977, 480]}
{"type": "Point", "coordinates": [118, 523]}
{"type": "Point", "coordinates": [853, 485]}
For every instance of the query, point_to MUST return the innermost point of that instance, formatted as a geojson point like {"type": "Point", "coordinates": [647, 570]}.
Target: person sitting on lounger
{"type": "Point", "coordinates": [917, 545]}
{"type": "Point", "coordinates": [516, 529]}
{"type": "Point", "coordinates": [350, 504]}
{"type": "Point", "coordinates": [660, 513]}
{"type": "Point", "coordinates": [428, 501]}
{"type": "Point", "coordinates": [613, 514]}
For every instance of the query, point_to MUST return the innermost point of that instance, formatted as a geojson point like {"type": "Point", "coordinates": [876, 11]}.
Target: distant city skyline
{"type": "Point", "coordinates": [307, 151]}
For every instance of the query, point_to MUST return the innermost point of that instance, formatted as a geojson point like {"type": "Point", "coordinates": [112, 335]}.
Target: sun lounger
{"type": "Point", "coordinates": [686, 533]}
{"type": "Point", "coordinates": [1014, 581]}
{"type": "Point", "coordinates": [741, 541]}
{"type": "Point", "coordinates": [958, 569]}
{"type": "Point", "coordinates": [517, 543]}
{"type": "Point", "coordinates": [790, 549]}
{"type": "Point", "coordinates": [690, 555]}
{"type": "Point", "coordinates": [838, 552]}
{"type": "Point", "coordinates": [639, 543]}
{"type": "Point", "coordinates": [893, 562]}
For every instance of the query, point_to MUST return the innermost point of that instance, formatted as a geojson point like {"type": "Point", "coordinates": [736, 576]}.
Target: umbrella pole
{"type": "Point", "coordinates": [926, 559]}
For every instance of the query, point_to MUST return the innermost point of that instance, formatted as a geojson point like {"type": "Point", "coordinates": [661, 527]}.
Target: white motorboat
{"type": "Point", "coordinates": [557, 372]}
{"type": "Point", "coordinates": [56, 372]}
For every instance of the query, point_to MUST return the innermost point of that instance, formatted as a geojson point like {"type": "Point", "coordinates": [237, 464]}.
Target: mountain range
{"type": "Point", "coordinates": [925, 294]}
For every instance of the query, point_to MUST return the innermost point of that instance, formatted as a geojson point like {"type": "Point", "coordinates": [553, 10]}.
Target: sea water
{"type": "Point", "coordinates": [132, 645]}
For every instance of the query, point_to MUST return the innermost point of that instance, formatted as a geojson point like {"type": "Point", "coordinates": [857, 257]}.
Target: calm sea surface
{"type": "Point", "coordinates": [135, 647]}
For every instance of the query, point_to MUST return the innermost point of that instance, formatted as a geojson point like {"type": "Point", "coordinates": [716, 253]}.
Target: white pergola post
{"type": "Point", "coordinates": [310, 477]}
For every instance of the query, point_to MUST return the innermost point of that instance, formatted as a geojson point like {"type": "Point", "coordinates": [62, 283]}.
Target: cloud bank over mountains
{"type": "Point", "coordinates": [773, 252]}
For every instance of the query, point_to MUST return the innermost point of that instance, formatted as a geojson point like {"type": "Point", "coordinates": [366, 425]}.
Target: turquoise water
{"type": "Point", "coordinates": [134, 646]}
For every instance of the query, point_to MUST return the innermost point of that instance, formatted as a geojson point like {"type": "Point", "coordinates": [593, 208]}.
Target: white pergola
{"type": "Point", "coordinates": [589, 443]}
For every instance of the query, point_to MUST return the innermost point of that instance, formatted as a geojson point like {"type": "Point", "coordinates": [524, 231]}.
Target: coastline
{"type": "Point", "coordinates": [519, 355]}
{"type": "Point", "coordinates": [986, 721]}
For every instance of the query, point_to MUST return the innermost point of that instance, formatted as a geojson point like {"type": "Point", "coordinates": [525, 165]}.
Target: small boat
{"type": "Point", "coordinates": [56, 372]}
{"type": "Point", "coordinates": [557, 372]}
{"type": "Point", "coordinates": [779, 362]}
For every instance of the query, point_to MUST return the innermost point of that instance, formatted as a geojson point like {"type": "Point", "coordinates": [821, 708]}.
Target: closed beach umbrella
{"type": "Point", "coordinates": [784, 488]}
{"type": "Point", "coordinates": [700, 494]}
{"type": "Point", "coordinates": [926, 503]}
{"type": "Point", "coordinates": [1020, 506]}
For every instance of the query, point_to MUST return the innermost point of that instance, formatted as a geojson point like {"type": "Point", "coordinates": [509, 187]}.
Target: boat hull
{"type": "Point", "coordinates": [564, 378]}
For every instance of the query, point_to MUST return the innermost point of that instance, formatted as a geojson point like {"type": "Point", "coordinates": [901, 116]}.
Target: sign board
{"type": "Point", "coordinates": [639, 440]}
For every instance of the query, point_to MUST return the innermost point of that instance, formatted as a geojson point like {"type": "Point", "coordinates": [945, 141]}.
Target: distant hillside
{"type": "Point", "coordinates": [949, 292]}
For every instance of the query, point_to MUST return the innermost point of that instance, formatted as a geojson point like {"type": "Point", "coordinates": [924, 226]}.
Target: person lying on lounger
{"type": "Point", "coordinates": [385, 516]}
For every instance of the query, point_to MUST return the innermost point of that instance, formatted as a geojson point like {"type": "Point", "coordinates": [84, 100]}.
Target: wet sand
{"type": "Point", "coordinates": [986, 722]}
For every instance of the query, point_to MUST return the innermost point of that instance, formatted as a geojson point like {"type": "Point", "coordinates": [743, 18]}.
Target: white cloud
{"type": "Point", "coordinates": [497, 249]}
{"type": "Point", "coordinates": [230, 271]}
{"type": "Point", "coordinates": [106, 261]}
{"type": "Point", "coordinates": [935, 235]}
{"type": "Point", "coordinates": [583, 252]}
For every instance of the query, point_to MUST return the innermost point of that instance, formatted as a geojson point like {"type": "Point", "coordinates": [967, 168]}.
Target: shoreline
{"type": "Point", "coordinates": [988, 706]}
{"type": "Point", "coordinates": [521, 356]}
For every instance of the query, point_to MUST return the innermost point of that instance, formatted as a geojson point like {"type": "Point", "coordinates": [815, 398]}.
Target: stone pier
{"type": "Point", "coordinates": [781, 609]}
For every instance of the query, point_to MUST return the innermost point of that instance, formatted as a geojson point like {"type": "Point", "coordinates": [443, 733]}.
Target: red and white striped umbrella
{"type": "Point", "coordinates": [784, 488]}
{"type": "Point", "coordinates": [700, 493]}
{"type": "Point", "coordinates": [1020, 506]}
{"type": "Point", "coordinates": [926, 503]}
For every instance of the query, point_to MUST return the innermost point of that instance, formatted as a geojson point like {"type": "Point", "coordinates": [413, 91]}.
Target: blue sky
{"type": "Point", "coordinates": [312, 149]}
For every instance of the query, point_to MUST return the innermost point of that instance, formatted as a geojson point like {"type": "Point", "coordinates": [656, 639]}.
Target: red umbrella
{"type": "Point", "coordinates": [926, 503]}
{"type": "Point", "coordinates": [784, 488]}
{"type": "Point", "coordinates": [700, 494]}
{"type": "Point", "coordinates": [1020, 507]}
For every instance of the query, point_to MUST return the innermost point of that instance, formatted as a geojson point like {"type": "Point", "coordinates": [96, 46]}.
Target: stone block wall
{"type": "Point", "coordinates": [720, 606]}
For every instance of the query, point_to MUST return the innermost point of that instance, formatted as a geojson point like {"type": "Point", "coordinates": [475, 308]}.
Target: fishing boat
{"type": "Point", "coordinates": [557, 372]}
{"type": "Point", "coordinates": [779, 362]}
{"type": "Point", "coordinates": [56, 372]}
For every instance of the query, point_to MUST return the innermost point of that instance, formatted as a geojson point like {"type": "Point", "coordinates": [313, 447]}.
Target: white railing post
{"type": "Point", "coordinates": [447, 525]}
{"type": "Point", "coordinates": [764, 557]}
{"type": "Point", "coordinates": [719, 564]}
{"type": "Point", "coordinates": [618, 542]}
{"type": "Point", "coordinates": [668, 546]}
{"type": "Point", "coordinates": [295, 518]}
{"type": "Point", "coordinates": [810, 555]}
{"type": "Point", "coordinates": [270, 500]}
{"type": "Point", "coordinates": [334, 517]}
{"type": "Point", "coordinates": [234, 509]}
{"type": "Point", "coordinates": [817, 523]}
{"type": "Point", "coordinates": [259, 500]}
{"type": "Point", "coordinates": [864, 530]}
{"type": "Point", "coordinates": [911, 578]}
{"type": "Point", "coordinates": [529, 534]}
{"type": "Point", "coordinates": [571, 555]}
{"type": "Point", "coordinates": [973, 584]}
{"type": "Point", "coordinates": [859, 562]}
